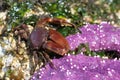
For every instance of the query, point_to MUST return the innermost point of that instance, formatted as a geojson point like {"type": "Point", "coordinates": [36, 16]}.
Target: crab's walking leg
{"type": "Point", "coordinates": [49, 60]}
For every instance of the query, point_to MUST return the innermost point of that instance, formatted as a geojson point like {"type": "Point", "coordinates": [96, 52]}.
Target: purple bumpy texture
{"type": "Point", "coordinates": [99, 37]}
{"type": "Point", "coordinates": [81, 67]}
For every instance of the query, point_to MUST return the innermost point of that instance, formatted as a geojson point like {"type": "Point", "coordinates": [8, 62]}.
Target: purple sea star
{"type": "Point", "coordinates": [99, 37]}
{"type": "Point", "coordinates": [80, 67]}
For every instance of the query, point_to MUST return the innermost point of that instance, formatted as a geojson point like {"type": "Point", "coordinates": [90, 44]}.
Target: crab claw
{"type": "Point", "coordinates": [59, 46]}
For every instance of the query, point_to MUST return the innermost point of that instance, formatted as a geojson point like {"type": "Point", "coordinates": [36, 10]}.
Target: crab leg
{"type": "Point", "coordinates": [58, 21]}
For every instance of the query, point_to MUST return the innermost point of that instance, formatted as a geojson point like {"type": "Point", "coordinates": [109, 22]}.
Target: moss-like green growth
{"type": "Point", "coordinates": [16, 14]}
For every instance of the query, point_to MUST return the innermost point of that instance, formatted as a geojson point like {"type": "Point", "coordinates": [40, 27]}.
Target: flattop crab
{"type": "Point", "coordinates": [43, 40]}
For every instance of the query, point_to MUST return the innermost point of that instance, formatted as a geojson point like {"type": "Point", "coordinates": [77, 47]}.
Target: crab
{"type": "Point", "coordinates": [44, 41]}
